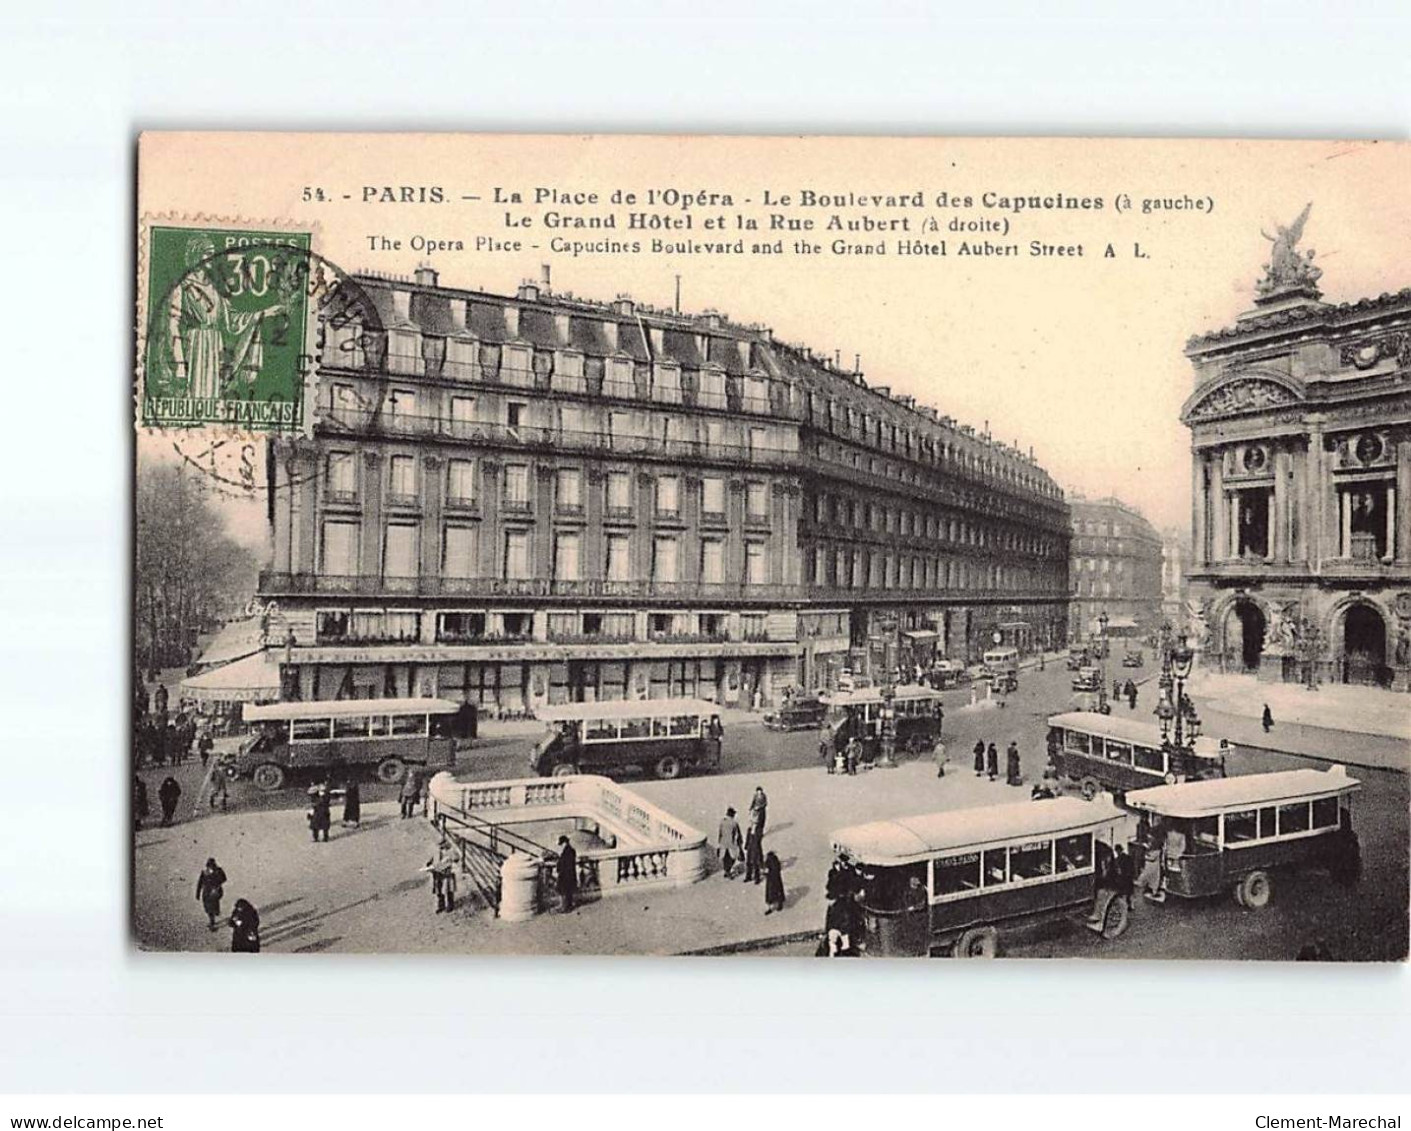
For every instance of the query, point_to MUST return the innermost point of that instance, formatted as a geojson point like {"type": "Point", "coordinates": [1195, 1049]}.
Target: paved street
{"type": "Point", "coordinates": [364, 891]}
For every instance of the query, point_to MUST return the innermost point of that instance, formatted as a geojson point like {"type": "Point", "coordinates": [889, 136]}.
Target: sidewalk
{"type": "Point", "coordinates": [1333, 706]}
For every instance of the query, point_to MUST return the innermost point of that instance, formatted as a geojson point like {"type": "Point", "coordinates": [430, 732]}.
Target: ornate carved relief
{"type": "Point", "coordinates": [1244, 395]}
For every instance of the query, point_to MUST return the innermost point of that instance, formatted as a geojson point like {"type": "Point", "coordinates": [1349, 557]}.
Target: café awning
{"type": "Point", "coordinates": [253, 679]}
{"type": "Point", "coordinates": [234, 641]}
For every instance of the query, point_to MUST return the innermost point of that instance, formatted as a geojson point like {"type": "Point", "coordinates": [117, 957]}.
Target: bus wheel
{"type": "Point", "coordinates": [1254, 890]}
{"type": "Point", "coordinates": [668, 767]}
{"type": "Point", "coordinates": [1089, 788]}
{"type": "Point", "coordinates": [268, 777]}
{"type": "Point", "coordinates": [565, 770]}
{"type": "Point", "coordinates": [978, 942]}
{"type": "Point", "coordinates": [390, 771]}
{"type": "Point", "coordinates": [1115, 917]}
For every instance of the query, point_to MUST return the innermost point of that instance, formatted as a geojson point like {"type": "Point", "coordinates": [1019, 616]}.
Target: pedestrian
{"type": "Point", "coordinates": [1124, 873]}
{"type": "Point", "coordinates": [245, 928]}
{"type": "Point", "coordinates": [1117, 691]}
{"type": "Point", "coordinates": [320, 811]}
{"type": "Point", "coordinates": [759, 808]}
{"type": "Point", "coordinates": [173, 743]}
{"type": "Point", "coordinates": [140, 808]}
{"type": "Point", "coordinates": [729, 843]}
{"type": "Point", "coordinates": [352, 804]}
{"type": "Point", "coordinates": [1268, 719]}
{"type": "Point", "coordinates": [168, 793]}
{"type": "Point", "coordinates": [854, 755]}
{"type": "Point", "coordinates": [939, 753]}
{"type": "Point", "coordinates": [991, 762]}
{"type": "Point", "coordinates": [1041, 660]}
{"type": "Point", "coordinates": [566, 874]}
{"type": "Point", "coordinates": [204, 745]}
{"type": "Point", "coordinates": [825, 751]}
{"type": "Point", "coordinates": [220, 789]}
{"type": "Point", "coordinates": [841, 926]}
{"type": "Point", "coordinates": [1013, 774]}
{"type": "Point", "coordinates": [1131, 696]}
{"type": "Point", "coordinates": [773, 884]}
{"type": "Point", "coordinates": [754, 855]}
{"type": "Point", "coordinates": [210, 887]}
{"type": "Point", "coordinates": [408, 795]}
{"type": "Point", "coordinates": [979, 752]}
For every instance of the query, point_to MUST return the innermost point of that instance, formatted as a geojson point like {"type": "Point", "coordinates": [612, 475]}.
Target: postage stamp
{"type": "Point", "coordinates": [226, 327]}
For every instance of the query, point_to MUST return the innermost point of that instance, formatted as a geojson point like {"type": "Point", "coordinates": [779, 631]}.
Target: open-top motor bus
{"type": "Point", "coordinates": [947, 883]}
{"type": "Point", "coordinates": [1113, 753]}
{"type": "Point", "coordinates": [1231, 834]}
{"type": "Point", "coordinates": [314, 736]}
{"type": "Point", "coordinates": [661, 736]}
{"type": "Point", "coordinates": [858, 714]}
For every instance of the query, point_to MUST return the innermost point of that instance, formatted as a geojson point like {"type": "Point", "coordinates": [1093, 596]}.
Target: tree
{"type": "Point", "coordinates": [187, 572]}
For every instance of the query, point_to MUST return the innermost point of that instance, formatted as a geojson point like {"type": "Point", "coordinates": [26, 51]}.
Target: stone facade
{"type": "Point", "coordinates": [1115, 567]}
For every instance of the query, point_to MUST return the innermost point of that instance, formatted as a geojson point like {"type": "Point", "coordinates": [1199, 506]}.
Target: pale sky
{"type": "Point", "coordinates": [1080, 358]}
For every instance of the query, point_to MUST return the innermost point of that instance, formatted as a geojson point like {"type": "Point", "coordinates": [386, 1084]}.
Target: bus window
{"type": "Point", "coordinates": [1032, 860]}
{"type": "Point", "coordinates": [954, 874]}
{"type": "Point", "coordinates": [1241, 826]}
{"type": "Point", "coordinates": [1293, 818]}
{"type": "Point", "coordinates": [380, 726]}
{"type": "Point", "coordinates": [891, 889]}
{"type": "Point", "coordinates": [354, 726]}
{"type": "Point", "coordinates": [1119, 752]}
{"type": "Point", "coordinates": [995, 868]}
{"type": "Point", "coordinates": [684, 726]}
{"type": "Point", "coordinates": [1205, 831]}
{"type": "Point", "coordinates": [1077, 740]}
{"type": "Point", "coordinates": [310, 730]}
{"type": "Point", "coordinates": [1146, 758]}
{"type": "Point", "coordinates": [1325, 813]}
{"type": "Point", "coordinates": [636, 728]}
{"type": "Point", "coordinates": [661, 728]}
{"type": "Point", "coordinates": [1075, 852]}
{"type": "Point", "coordinates": [1267, 827]}
{"type": "Point", "coordinates": [601, 730]}
{"type": "Point", "coordinates": [407, 725]}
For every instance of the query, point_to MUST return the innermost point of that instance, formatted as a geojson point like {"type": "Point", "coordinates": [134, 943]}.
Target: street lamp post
{"type": "Point", "coordinates": [1102, 704]}
{"type": "Point", "coordinates": [1180, 725]}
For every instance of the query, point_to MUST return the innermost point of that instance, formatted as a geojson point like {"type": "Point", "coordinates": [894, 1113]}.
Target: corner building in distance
{"type": "Point", "coordinates": [519, 500]}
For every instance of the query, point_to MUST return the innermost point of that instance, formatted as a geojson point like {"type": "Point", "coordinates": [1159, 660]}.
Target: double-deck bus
{"type": "Point", "coordinates": [315, 736]}
{"type": "Point", "coordinates": [858, 714]}
{"type": "Point", "coordinates": [1113, 753]}
{"type": "Point", "coordinates": [948, 883]}
{"type": "Point", "coordinates": [662, 736]}
{"type": "Point", "coordinates": [1233, 834]}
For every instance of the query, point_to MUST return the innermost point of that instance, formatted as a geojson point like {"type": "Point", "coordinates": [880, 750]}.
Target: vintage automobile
{"type": "Point", "coordinates": [1077, 659]}
{"type": "Point", "coordinates": [1087, 679]}
{"type": "Point", "coordinates": [800, 714]}
{"type": "Point", "coordinates": [1133, 658]}
{"type": "Point", "coordinates": [946, 674]}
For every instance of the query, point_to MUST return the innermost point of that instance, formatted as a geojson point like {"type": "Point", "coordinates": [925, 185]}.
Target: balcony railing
{"type": "Point", "coordinates": [274, 582]}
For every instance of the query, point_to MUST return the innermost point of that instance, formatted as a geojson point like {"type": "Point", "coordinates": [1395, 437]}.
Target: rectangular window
{"type": "Point", "coordinates": [310, 730]}
{"type": "Point", "coordinates": [458, 556]}
{"type": "Point", "coordinates": [667, 503]}
{"type": "Point", "coordinates": [462, 416]}
{"type": "Point", "coordinates": [619, 558]}
{"type": "Point", "coordinates": [514, 416]}
{"type": "Point", "coordinates": [460, 481]}
{"type": "Point", "coordinates": [713, 496]}
{"type": "Point", "coordinates": [1241, 826]}
{"type": "Point", "coordinates": [566, 557]}
{"type": "Point", "coordinates": [1325, 813]}
{"type": "Point", "coordinates": [664, 559]}
{"type": "Point", "coordinates": [712, 560]}
{"type": "Point", "coordinates": [354, 726]}
{"type": "Point", "coordinates": [951, 875]}
{"type": "Point", "coordinates": [340, 548]}
{"type": "Point", "coordinates": [400, 405]}
{"type": "Point", "coordinates": [1149, 758]}
{"type": "Point", "coordinates": [403, 625]}
{"type": "Point", "coordinates": [345, 405]}
{"type": "Point", "coordinates": [712, 388]}
{"type": "Point", "coordinates": [757, 501]}
{"type": "Point", "coordinates": [1074, 853]}
{"type": "Point", "coordinates": [517, 485]}
{"type": "Point", "coordinates": [516, 554]}
{"type": "Point", "coordinates": [342, 476]}
{"type": "Point", "coordinates": [570, 489]}
{"type": "Point", "coordinates": [1293, 818]}
{"type": "Point", "coordinates": [399, 555]}
{"type": "Point", "coordinates": [619, 491]}
{"type": "Point", "coordinates": [1267, 824]}
{"type": "Point", "coordinates": [995, 868]}
{"type": "Point", "coordinates": [403, 478]}
{"type": "Point", "coordinates": [1032, 860]}
{"type": "Point", "coordinates": [756, 572]}
{"type": "Point", "coordinates": [407, 726]}
{"type": "Point", "coordinates": [571, 422]}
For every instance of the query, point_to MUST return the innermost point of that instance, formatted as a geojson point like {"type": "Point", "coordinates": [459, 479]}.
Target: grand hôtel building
{"type": "Point", "coordinates": [529, 499]}
{"type": "Point", "coordinates": [1301, 532]}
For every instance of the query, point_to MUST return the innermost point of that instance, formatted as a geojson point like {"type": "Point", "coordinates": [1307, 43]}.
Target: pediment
{"type": "Point", "coordinates": [1246, 392]}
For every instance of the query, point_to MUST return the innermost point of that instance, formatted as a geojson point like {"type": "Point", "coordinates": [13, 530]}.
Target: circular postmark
{"type": "Point", "coordinates": [236, 344]}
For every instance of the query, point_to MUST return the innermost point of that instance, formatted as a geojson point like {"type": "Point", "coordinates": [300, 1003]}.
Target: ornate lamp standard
{"type": "Point", "coordinates": [1180, 725]}
{"type": "Point", "coordinates": [1102, 704]}
{"type": "Point", "coordinates": [887, 730]}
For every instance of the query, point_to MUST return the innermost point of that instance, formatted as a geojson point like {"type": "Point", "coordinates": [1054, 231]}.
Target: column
{"type": "Point", "coordinates": [1199, 502]}
{"type": "Point", "coordinates": [370, 552]}
{"type": "Point", "coordinates": [1391, 522]}
{"type": "Point", "coordinates": [432, 488]}
{"type": "Point", "coordinates": [1345, 520]}
{"type": "Point", "coordinates": [594, 547]}
{"type": "Point", "coordinates": [1280, 534]}
{"type": "Point", "coordinates": [688, 497]}
{"type": "Point", "coordinates": [541, 561]}
{"type": "Point", "coordinates": [280, 452]}
{"type": "Point", "coordinates": [491, 490]}
{"type": "Point", "coordinates": [304, 548]}
{"type": "Point", "coordinates": [1232, 550]}
{"type": "Point", "coordinates": [1403, 500]}
{"type": "Point", "coordinates": [645, 532]}
{"type": "Point", "coordinates": [1219, 513]}
{"type": "Point", "coordinates": [1272, 535]}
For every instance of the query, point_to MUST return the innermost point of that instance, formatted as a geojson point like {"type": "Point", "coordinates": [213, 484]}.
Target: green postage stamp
{"type": "Point", "coordinates": [225, 324]}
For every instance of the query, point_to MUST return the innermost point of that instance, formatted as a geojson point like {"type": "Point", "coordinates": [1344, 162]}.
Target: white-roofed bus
{"type": "Point", "coordinates": [313, 736]}
{"type": "Point", "coordinates": [948, 883]}
{"type": "Point", "coordinates": [1233, 834]}
{"type": "Point", "coordinates": [665, 737]}
{"type": "Point", "coordinates": [916, 711]}
{"type": "Point", "coordinates": [1117, 754]}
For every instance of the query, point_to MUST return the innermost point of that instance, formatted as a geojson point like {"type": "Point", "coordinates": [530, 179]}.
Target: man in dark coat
{"type": "Point", "coordinates": [210, 887]}
{"type": "Point", "coordinates": [245, 928]}
{"type": "Point", "coordinates": [1131, 696]}
{"type": "Point", "coordinates": [729, 843]}
{"type": "Point", "coordinates": [1124, 877]}
{"type": "Point", "coordinates": [773, 884]}
{"type": "Point", "coordinates": [352, 804]}
{"type": "Point", "coordinates": [140, 808]}
{"type": "Point", "coordinates": [991, 762]}
{"type": "Point", "coordinates": [320, 812]}
{"type": "Point", "coordinates": [204, 745]}
{"type": "Point", "coordinates": [759, 809]}
{"type": "Point", "coordinates": [754, 855]}
{"type": "Point", "coordinates": [1013, 774]}
{"type": "Point", "coordinates": [566, 874]}
{"type": "Point", "coordinates": [979, 757]}
{"type": "Point", "coordinates": [1268, 719]}
{"type": "Point", "coordinates": [168, 793]}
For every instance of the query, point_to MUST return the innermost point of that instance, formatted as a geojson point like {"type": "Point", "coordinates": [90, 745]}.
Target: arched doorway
{"type": "Point", "coordinates": [1364, 644]}
{"type": "Point", "coordinates": [1244, 641]}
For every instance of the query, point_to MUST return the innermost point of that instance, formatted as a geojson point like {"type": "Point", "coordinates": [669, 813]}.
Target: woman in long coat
{"type": "Point", "coordinates": [979, 757]}
{"type": "Point", "coordinates": [992, 761]}
{"type": "Point", "coordinates": [352, 804]}
{"type": "Point", "coordinates": [773, 884]}
{"type": "Point", "coordinates": [210, 887]}
{"type": "Point", "coordinates": [245, 923]}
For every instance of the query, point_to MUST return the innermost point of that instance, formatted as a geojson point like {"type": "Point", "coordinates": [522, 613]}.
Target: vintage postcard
{"type": "Point", "coordinates": [768, 546]}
